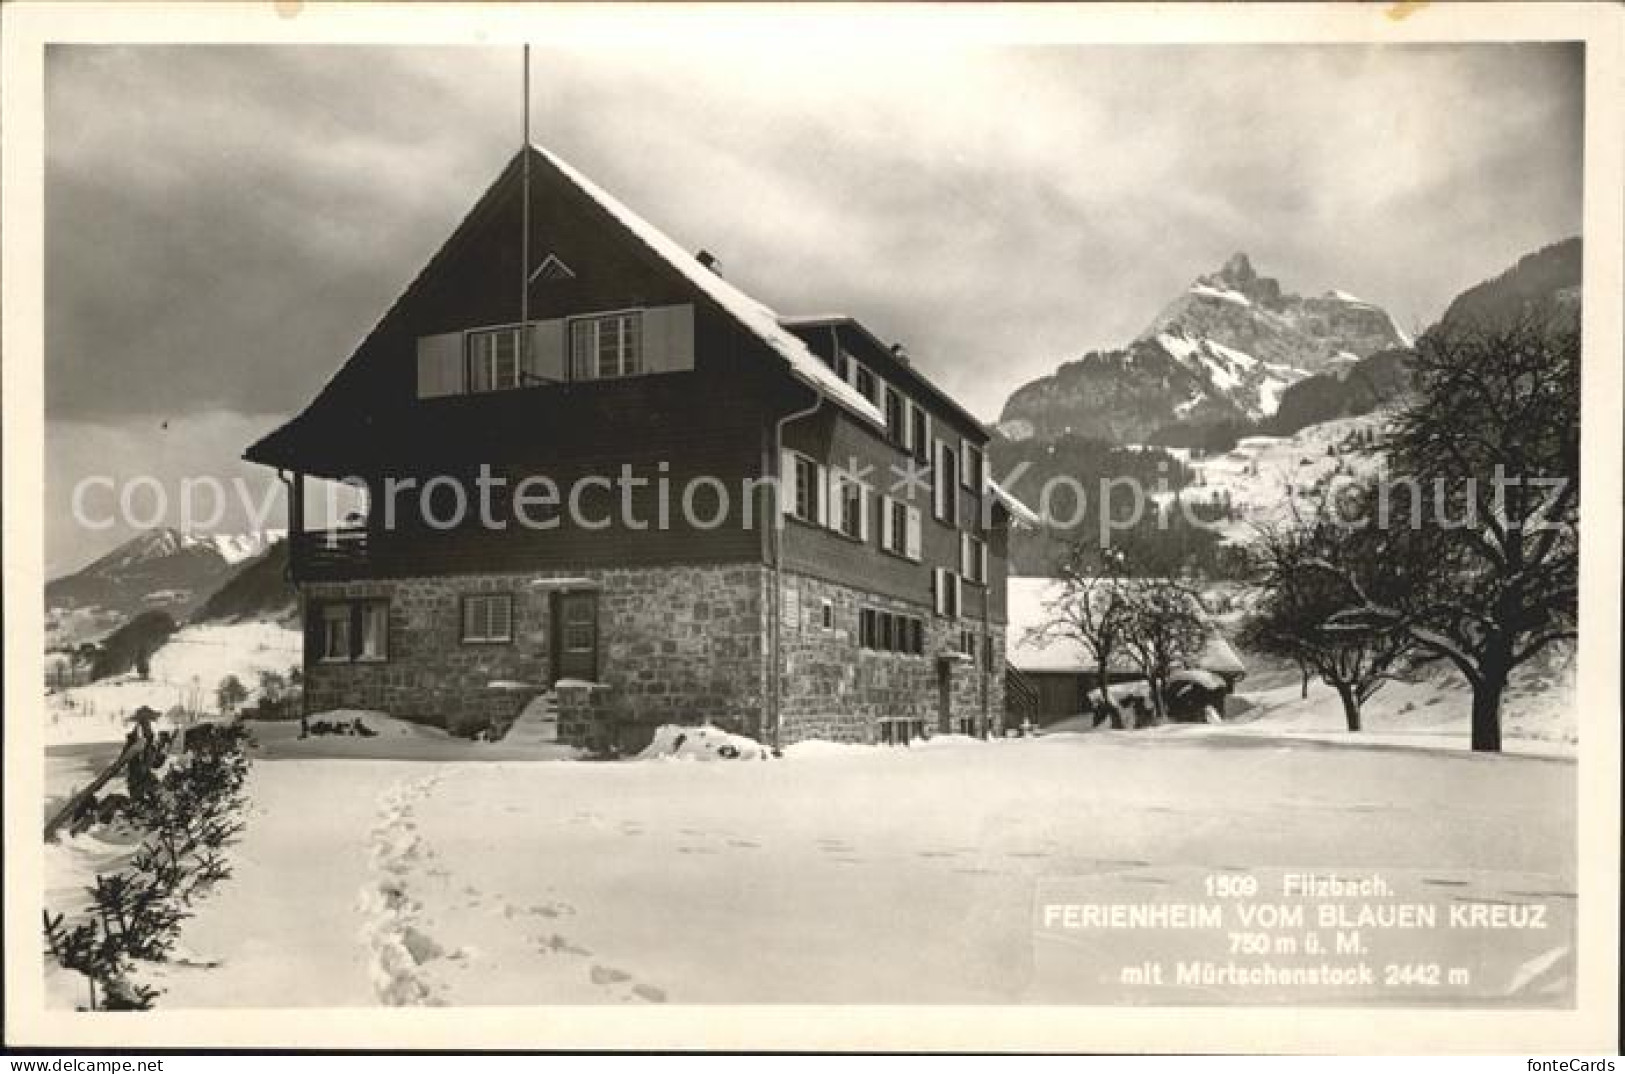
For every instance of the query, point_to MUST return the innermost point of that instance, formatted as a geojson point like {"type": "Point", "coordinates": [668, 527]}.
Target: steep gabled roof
{"type": "Point", "coordinates": [325, 418]}
{"type": "Point", "coordinates": [750, 313]}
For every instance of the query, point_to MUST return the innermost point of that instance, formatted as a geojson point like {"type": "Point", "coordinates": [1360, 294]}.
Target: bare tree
{"type": "Point", "coordinates": [1485, 532]}
{"type": "Point", "coordinates": [1090, 608]}
{"type": "Point", "coordinates": [1165, 631]}
{"type": "Point", "coordinates": [1297, 617]}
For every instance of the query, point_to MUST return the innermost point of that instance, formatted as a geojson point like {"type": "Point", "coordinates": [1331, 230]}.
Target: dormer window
{"type": "Point", "coordinates": [607, 347]}
{"type": "Point", "coordinates": [493, 360]}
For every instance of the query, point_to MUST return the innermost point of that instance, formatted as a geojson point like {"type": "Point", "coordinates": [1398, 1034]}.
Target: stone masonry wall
{"type": "Point", "coordinates": [835, 689]}
{"type": "Point", "coordinates": [676, 644]}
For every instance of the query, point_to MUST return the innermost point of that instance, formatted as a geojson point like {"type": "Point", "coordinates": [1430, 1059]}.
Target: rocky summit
{"type": "Point", "coordinates": [1219, 354]}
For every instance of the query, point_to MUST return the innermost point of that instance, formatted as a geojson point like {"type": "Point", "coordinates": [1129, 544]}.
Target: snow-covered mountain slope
{"type": "Point", "coordinates": [163, 569]}
{"type": "Point", "coordinates": [1263, 478]}
{"type": "Point", "coordinates": [1222, 354]}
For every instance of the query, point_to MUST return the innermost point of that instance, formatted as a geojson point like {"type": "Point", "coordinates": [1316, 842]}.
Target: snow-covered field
{"type": "Point", "coordinates": [835, 873]}
{"type": "Point", "coordinates": [185, 672]}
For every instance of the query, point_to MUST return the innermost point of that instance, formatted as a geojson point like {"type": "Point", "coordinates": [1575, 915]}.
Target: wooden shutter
{"type": "Point", "coordinates": [940, 479]}
{"type": "Point", "coordinates": [668, 339]}
{"type": "Point", "coordinates": [835, 507]}
{"type": "Point", "coordinates": [957, 592]}
{"type": "Point", "coordinates": [981, 569]}
{"type": "Point", "coordinates": [939, 591]}
{"type": "Point", "coordinates": [544, 352]}
{"type": "Point", "coordinates": [820, 494]}
{"type": "Point", "coordinates": [864, 499]}
{"type": "Point", "coordinates": [440, 365]}
{"type": "Point", "coordinates": [887, 530]}
{"type": "Point", "coordinates": [913, 535]}
{"type": "Point", "coordinates": [964, 553]}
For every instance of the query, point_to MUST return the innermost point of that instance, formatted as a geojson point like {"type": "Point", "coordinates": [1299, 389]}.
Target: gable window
{"type": "Point", "coordinates": [944, 477]}
{"type": "Point", "coordinates": [493, 360]}
{"type": "Point", "coordinates": [488, 617]}
{"type": "Point", "coordinates": [607, 347]}
{"type": "Point", "coordinates": [973, 558]}
{"type": "Point", "coordinates": [352, 630]}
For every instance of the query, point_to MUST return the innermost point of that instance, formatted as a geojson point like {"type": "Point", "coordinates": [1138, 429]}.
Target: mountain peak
{"type": "Point", "coordinates": [1237, 271]}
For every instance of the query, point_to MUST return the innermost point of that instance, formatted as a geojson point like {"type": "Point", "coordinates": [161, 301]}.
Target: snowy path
{"type": "Point", "coordinates": [859, 875]}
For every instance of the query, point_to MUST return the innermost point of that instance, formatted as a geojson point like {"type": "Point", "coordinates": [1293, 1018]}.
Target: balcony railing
{"type": "Point", "coordinates": [336, 553]}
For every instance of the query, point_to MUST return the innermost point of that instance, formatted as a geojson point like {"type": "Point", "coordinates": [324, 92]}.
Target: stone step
{"type": "Point", "coordinates": [537, 725]}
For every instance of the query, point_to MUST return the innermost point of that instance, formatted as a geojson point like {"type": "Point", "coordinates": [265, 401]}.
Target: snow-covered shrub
{"type": "Point", "coordinates": [189, 807]}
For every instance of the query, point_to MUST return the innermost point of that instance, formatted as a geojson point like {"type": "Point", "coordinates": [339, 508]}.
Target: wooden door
{"type": "Point", "coordinates": [575, 634]}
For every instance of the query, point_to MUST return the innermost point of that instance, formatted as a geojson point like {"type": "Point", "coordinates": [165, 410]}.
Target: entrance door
{"type": "Point", "coordinates": [575, 636]}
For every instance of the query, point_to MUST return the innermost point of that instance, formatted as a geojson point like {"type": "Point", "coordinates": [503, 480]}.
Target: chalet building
{"type": "Point", "coordinates": [809, 588]}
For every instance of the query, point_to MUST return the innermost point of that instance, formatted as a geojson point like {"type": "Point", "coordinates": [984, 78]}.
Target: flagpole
{"type": "Point", "coordinates": [524, 225]}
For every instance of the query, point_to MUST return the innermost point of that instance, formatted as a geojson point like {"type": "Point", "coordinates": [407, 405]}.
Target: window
{"type": "Point", "coordinates": [900, 528]}
{"type": "Point", "coordinates": [607, 347]}
{"type": "Point", "coordinates": [488, 617]}
{"type": "Point", "coordinates": [868, 386]}
{"type": "Point", "coordinates": [809, 489]}
{"type": "Point", "coordinates": [970, 463]}
{"type": "Point", "coordinates": [973, 558]}
{"type": "Point", "coordinates": [945, 592]}
{"type": "Point", "coordinates": [945, 484]}
{"type": "Point", "coordinates": [826, 615]}
{"type": "Point", "coordinates": [493, 360]}
{"type": "Point", "coordinates": [843, 365]}
{"type": "Point", "coordinates": [896, 417]}
{"type": "Point", "coordinates": [920, 433]}
{"type": "Point", "coordinates": [849, 507]}
{"type": "Point", "coordinates": [336, 632]}
{"type": "Point", "coordinates": [374, 631]}
{"type": "Point", "coordinates": [967, 643]}
{"type": "Point", "coordinates": [891, 632]}
{"type": "Point", "coordinates": [352, 631]}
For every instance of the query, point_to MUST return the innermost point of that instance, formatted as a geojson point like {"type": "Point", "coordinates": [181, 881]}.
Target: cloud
{"type": "Point", "coordinates": [225, 223]}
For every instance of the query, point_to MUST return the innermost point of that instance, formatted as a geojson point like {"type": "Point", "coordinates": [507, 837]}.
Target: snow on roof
{"type": "Point", "coordinates": [1018, 510]}
{"type": "Point", "coordinates": [755, 316]}
{"type": "Point", "coordinates": [1028, 606]}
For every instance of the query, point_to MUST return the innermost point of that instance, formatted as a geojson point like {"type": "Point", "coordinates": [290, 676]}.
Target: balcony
{"type": "Point", "coordinates": [330, 555]}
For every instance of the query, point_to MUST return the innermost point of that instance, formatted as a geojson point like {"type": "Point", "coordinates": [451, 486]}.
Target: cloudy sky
{"type": "Point", "coordinates": [224, 224]}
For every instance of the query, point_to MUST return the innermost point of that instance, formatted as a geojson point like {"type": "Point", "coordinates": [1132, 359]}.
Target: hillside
{"type": "Point", "coordinates": [157, 570]}
{"type": "Point", "coordinates": [258, 590]}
